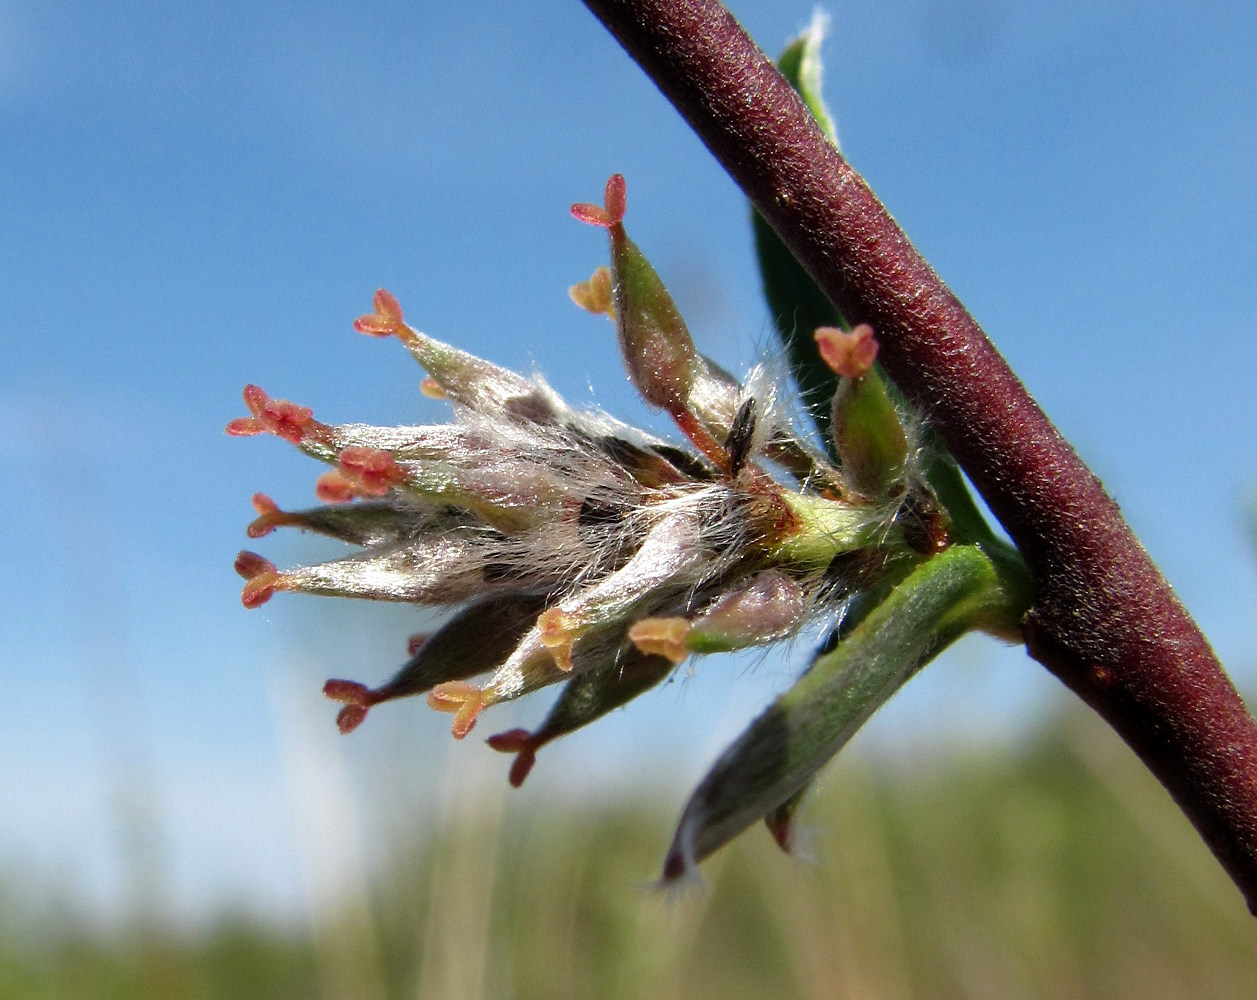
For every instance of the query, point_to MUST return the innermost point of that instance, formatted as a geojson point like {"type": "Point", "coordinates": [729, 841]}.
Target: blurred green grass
{"type": "Point", "coordinates": [1060, 870]}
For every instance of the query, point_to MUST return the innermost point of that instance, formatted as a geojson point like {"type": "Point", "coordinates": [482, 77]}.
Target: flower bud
{"type": "Point", "coordinates": [587, 697]}
{"type": "Point", "coordinates": [460, 376]}
{"type": "Point", "coordinates": [654, 340]}
{"type": "Point", "coordinates": [484, 632]}
{"type": "Point", "coordinates": [655, 343]}
{"type": "Point", "coordinates": [767, 608]}
{"type": "Point", "coordinates": [368, 523]}
{"type": "Point", "coordinates": [865, 427]}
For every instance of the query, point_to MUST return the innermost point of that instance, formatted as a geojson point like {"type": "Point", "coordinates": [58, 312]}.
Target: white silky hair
{"type": "Point", "coordinates": [593, 512]}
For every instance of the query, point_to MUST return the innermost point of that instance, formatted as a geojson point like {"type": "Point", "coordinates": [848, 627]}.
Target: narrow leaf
{"type": "Point", "coordinates": [959, 590]}
{"type": "Point", "coordinates": [801, 64]}
{"type": "Point", "coordinates": [796, 304]}
{"type": "Point", "coordinates": [586, 698]}
{"type": "Point", "coordinates": [474, 641]}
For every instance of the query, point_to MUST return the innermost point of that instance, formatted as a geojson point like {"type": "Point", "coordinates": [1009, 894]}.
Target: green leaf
{"type": "Point", "coordinates": [956, 591]}
{"type": "Point", "coordinates": [797, 305]}
{"type": "Point", "coordinates": [800, 63]}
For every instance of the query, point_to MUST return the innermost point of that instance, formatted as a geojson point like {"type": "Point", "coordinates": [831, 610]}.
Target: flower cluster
{"type": "Point", "coordinates": [580, 551]}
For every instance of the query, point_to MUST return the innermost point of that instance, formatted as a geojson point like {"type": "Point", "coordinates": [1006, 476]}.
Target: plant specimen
{"type": "Point", "coordinates": [588, 553]}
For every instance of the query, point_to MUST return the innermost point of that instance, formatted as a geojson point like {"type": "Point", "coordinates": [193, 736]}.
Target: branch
{"type": "Point", "coordinates": [1104, 619]}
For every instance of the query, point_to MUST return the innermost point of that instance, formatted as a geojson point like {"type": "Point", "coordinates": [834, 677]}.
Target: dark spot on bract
{"type": "Point", "coordinates": [496, 572]}
{"type": "Point", "coordinates": [738, 443]}
{"type": "Point", "coordinates": [624, 452]}
{"type": "Point", "coordinates": [656, 464]}
{"type": "Point", "coordinates": [923, 523]}
{"type": "Point", "coordinates": [532, 408]}
{"type": "Point", "coordinates": [850, 571]}
{"type": "Point", "coordinates": [598, 514]}
{"type": "Point", "coordinates": [684, 462]}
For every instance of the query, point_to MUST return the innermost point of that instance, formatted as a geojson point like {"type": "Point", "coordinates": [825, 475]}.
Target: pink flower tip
{"type": "Point", "coordinates": [277, 416]}
{"type": "Point", "coordinates": [261, 577]}
{"type": "Point", "coordinates": [852, 354]}
{"type": "Point", "coordinates": [255, 398]}
{"type": "Point", "coordinates": [524, 745]}
{"type": "Point", "coordinates": [614, 197]}
{"type": "Point", "coordinates": [611, 211]}
{"type": "Point", "coordinates": [259, 590]}
{"type": "Point", "coordinates": [250, 564]}
{"type": "Point", "coordinates": [387, 318]}
{"type": "Point", "coordinates": [244, 427]}
{"type": "Point", "coordinates": [593, 215]}
{"type": "Point", "coordinates": [332, 487]}
{"type": "Point", "coordinates": [268, 519]}
{"type": "Point", "coordinates": [357, 698]}
{"type": "Point", "coordinates": [350, 718]}
{"type": "Point", "coordinates": [347, 692]}
{"type": "Point", "coordinates": [370, 471]}
{"type": "Point", "coordinates": [386, 304]}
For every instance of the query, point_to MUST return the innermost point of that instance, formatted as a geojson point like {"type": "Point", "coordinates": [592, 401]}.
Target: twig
{"type": "Point", "coordinates": [1104, 619]}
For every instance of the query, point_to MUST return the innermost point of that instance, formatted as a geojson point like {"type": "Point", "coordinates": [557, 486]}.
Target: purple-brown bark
{"type": "Point", "coordinates": [1104, 619]}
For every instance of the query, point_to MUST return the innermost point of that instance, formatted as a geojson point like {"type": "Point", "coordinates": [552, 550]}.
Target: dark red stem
{"type": "Point", "coordinates": [1104, 619]}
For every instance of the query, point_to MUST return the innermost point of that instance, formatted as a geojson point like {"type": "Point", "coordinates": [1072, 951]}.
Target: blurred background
{"type": "Point", "coordinates": [199, 196]}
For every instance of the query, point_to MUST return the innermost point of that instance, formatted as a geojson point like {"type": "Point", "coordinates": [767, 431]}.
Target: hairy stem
{"type": "Point", "coordinates": [1104, 620]}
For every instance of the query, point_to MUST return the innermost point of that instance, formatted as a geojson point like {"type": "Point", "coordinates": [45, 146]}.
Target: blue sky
{"type": "Point", "coordinates": [200, 196]}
